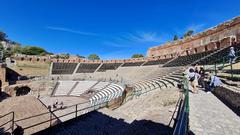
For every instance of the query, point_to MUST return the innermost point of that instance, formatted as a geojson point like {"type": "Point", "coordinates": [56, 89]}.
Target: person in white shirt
{"type": "Point", "coordinates": [193, 79]}
{"type": "Point", "coordinates": [214, 82]}
{"type": "Point", "coordinates": [232, 56]}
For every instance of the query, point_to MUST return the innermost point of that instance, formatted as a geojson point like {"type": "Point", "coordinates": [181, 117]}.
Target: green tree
{"type": "Point", "coordinates": [3, 36]}
{"type": "Point", "coordinates": [56, 56]}
{"type": "Point", "coordinates": [93, 57]}
{"type": "Point", "coordinates": [17, 49]}
{"type": "Point", "coordinates": [1, 47]}
{"type": "Point", "coordinates": [175, 38]}
{"type": "Point", "coordinates": [7, 53]}
{"type": "Point", "coordinates": [137, 56]}
{"type": "Point", "coordinates": [67, 56]}
{"type": "Point", "coordinates": [188, 33]}
{"type": "Point", "coordinates": [43, 54]}
{"type": "Point", "coordinates": [79, 56]}
{"type": "Point", "coordinates": [33, 50]}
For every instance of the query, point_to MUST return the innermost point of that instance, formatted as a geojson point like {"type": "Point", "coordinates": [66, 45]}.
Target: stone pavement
{"type": "Point", "coordinates": [209, 116]}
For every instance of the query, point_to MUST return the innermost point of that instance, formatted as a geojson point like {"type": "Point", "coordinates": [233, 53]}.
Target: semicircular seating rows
{"type": "Point", "coordinates": [108, 93]}
{"type": "Point", "coordinates": [167, 80]}
{"type": "Point", "coordinates": [105, 91]}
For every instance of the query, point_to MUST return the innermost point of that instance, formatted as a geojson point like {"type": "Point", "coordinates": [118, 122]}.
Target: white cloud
{"type": "Point", "coordinates": [128, 40]}
{"type": "Point", "coordinates": [142, 37]}
{"type": "Point", "coordinates": [71, 31]}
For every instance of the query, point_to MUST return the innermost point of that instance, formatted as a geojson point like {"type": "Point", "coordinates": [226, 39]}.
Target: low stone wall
{"type": "Point", "coordinates": [127, 95]}
{"type": "Point", "coordinates": [230, 97]}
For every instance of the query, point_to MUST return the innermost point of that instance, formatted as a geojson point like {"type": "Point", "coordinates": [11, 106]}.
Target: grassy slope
{"type": "Point", "coordinates": [32, 68]}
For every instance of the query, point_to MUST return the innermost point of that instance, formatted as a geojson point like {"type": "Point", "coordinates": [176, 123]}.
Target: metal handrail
{"type": "Point", "coordinates": [9, 121]}
{"type": "Point", "coordinates": [224, 59]}
{"type": "Point", "coordinates": [182, 124]}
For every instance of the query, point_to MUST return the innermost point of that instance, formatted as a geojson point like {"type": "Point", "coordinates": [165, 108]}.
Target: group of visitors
{"type": "Point", "coordinates": [197, 75]}
{"type": "Point", "coordinates": [56, 105]}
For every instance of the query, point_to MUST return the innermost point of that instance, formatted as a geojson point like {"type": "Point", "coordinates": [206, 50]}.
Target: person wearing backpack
{"type": "Point", "coordinates": [193, 79]}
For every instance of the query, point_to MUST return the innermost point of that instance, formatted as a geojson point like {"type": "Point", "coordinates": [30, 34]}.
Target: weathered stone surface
{"type": "Point", "coordinates": [231, 97]}
{"type": "Point", "coordinates": [209, 116]}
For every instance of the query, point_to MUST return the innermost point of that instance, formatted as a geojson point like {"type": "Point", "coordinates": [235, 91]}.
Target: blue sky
{"type": "Point", "coordinates": [110, 28]}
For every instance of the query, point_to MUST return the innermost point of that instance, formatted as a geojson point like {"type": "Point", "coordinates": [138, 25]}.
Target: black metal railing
{"type": "Point", "coordinates": [8, 125]}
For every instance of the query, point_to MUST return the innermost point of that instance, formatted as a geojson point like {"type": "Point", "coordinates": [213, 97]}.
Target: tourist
{"type": "Point", "coordinates": [56, 102]}
{"type": "Point", "coordinates": [232, 56]}
{"type": "Point", "coordinates": [197, 68]}
{"type": "Point", "coordinates": [202, 76]}
{"type": "Point", "coordinates": [61, 105]}
{"type": "Point", "coordinates": [214, 82]}
{"type": "Point", "coordinates": [193, 79]}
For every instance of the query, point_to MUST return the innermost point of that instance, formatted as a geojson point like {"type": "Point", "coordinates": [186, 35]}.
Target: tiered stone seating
{"type": "Point", "coordinates": [76, 88]}
{"type": "Point", "coordinates": [156, 62]}
{"type": "Point", "coordinates": [129, 64]}
{"type": "Point", "coordinates": [166, 80]}
{"type": "Point", "coordinates": [100, 86]}
{"type": "Point", "coordinates": [81, 87]}
{"type": "Point", "coordinates": [216, 57]}
{"type": "Point", "coordinates": [187, 59]}
{"type": "Point", "coordinates": [63, 88]}
{"type": "Point", "coordinates": [108, 66]}
{"type": "Point", "coordinates": [63, 68]}
{"type": "Point", "coordinates": [87, 67]}
{"type": "Point", "coordinates": [112, 91]}
{"type": "Point", "coordinates": [122, 74]}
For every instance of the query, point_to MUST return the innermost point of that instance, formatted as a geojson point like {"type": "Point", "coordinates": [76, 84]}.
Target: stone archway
{"type": "Point", "coordinates": [20, 91]}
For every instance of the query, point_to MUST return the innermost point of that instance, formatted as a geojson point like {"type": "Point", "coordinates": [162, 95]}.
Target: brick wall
{"type": "Point", "coordinates": [221, 33]}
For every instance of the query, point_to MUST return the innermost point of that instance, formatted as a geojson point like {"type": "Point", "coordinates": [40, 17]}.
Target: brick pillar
{"type": "Point", "coordinates": [3, 74]}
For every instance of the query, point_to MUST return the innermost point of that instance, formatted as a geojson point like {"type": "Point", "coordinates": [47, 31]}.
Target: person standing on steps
{"type": "Point", "coordinates": [232, 56]}
{"type": "Point", "coordinates": [202, 76]}
{"type": "Point", "coordinates": [193, 79]}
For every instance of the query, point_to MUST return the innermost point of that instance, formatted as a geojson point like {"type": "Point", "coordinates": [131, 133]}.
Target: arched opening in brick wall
{"type": "Point", "coordinates": [20, 91]}
{"type": "Point", "coordinates": [206, 48]}
{"type": "Point", "coordinates": [195, 50]}
{"type": "Point", "coordinates": [218, 44]}
{"type": "Point", "coordinates": [22, 59]}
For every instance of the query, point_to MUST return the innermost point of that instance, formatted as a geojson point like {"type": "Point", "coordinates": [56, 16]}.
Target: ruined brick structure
{"type": "Point", "coordinates": [3, 75]}
{"type": "Point", "coordinates": [220, 36]}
